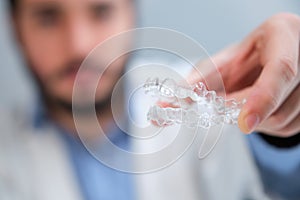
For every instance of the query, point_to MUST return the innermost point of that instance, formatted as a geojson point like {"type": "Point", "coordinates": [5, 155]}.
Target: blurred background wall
{"type": "Point", "coordinates": [213, 23]}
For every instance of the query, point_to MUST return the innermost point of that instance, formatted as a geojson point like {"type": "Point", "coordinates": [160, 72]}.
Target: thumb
{"type": "Point", "coordinates": [265, 97]}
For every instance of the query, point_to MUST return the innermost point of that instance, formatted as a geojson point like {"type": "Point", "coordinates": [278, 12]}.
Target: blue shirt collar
{"type": "Point", "coordinates": [41, 118]}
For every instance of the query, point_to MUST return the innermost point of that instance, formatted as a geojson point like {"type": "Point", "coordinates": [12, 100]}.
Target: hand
{"type": "Point", "coordinates": [264, 69]}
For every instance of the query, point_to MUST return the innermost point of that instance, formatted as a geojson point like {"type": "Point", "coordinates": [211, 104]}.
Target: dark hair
{"type": "Point", "coordinates": [12, 4]}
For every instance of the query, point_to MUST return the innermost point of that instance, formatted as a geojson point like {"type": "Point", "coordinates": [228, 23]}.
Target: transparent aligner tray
{"type": "Point", "coordinates": [204, 110]}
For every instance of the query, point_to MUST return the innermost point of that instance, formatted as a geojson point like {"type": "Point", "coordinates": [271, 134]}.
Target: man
{"type": "Point", "coordinates": [56, 36]}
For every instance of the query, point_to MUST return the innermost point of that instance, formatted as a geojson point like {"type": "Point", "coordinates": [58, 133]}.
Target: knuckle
{"type": "Point", "coordinates": [278, 121]}
{"type": "Point", "coordinates": [286, 17]}
{"type": "Point", "coordinates": [284, 20]}
{"type": "Point", "coordinates": [285, 129]}
{"type": "Point", "coordinates": [272, 101]}
{"type": "Point", "coordinates": [292, 128]}
{"type": "Point", "coordinates": [288, 131]}
{"type": "Point", "coordinates": [288, 68]}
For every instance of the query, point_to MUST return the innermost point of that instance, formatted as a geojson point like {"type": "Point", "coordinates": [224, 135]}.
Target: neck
{"type": "Point", "coordinates": [63, 116]}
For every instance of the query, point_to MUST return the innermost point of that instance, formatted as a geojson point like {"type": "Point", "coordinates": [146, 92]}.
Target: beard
{"type": "Point", "coordinates": [50, 101]}
{"type": "Point", "coordinates": [82, 109]}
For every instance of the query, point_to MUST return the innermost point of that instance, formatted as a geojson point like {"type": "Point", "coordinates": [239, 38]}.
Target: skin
{"type": "Point", "coordinates": [264, 69]}
{"type": "Point", "coordinates": [57, 35]}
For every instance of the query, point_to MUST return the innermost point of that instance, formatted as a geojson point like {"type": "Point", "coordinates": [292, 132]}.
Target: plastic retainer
{"type": "Point", "coordinates": [205, 110]}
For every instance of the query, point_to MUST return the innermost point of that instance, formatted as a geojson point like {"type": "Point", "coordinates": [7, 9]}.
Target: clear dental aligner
{"type": "Point", "coordinates": [210, 109]}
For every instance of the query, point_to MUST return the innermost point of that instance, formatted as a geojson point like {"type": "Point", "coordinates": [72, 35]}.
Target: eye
{"type": "Point", "coordinates": [47, 17]}
{"type": "Point", "coordinates": [102, 12]}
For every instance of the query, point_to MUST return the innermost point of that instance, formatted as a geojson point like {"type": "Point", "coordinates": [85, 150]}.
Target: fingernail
{"type": "Point", "coordinates": [252, 122]}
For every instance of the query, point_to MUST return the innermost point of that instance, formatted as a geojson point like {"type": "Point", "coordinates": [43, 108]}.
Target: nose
{"type": "Point", "coordinates": [80, 39]}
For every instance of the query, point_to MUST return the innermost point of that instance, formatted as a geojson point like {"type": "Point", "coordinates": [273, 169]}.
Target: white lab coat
{"type": "Point", "coordinates": [36, 166]}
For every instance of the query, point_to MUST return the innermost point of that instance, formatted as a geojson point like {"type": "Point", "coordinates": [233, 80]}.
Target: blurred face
{"type": "Point", "coordinates": [56, 36]}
